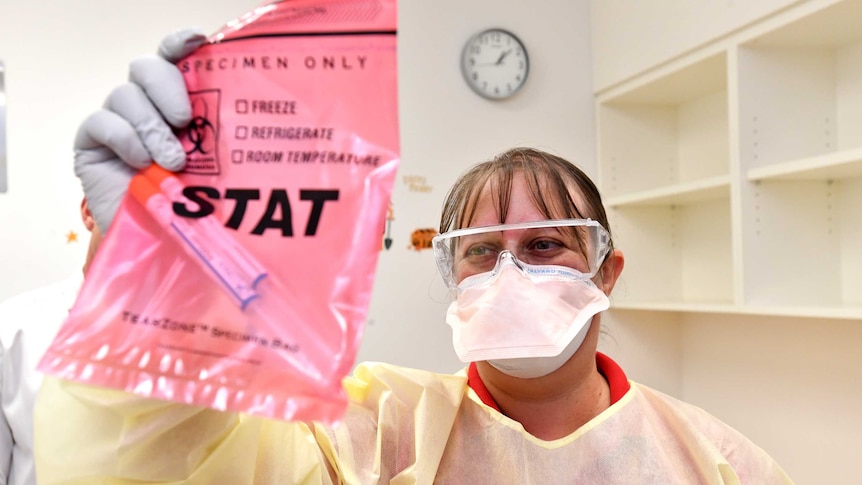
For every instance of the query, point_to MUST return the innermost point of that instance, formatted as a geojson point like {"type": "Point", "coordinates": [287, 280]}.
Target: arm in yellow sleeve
{"type": "Point", "coordinates": [93, 435]}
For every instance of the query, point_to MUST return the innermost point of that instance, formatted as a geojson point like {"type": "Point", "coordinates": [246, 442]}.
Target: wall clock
{"type": "Point", "coordinates": [495, 64]}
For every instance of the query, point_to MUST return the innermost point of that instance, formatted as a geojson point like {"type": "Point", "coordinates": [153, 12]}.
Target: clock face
{"type": "Point", "coordinates": [495, 64]}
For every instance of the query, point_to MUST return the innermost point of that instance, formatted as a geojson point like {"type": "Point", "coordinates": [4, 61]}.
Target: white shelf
{"type": "Point", "coordinates": [680, 253]}
{"type": "Point", "coordinates": [799, 95]}
{"type": "Point", "coordinates": [679, 87]}
{"type": "Point", "coordinates": [800, 153]}
{"type": "Point", "coordinates": [733, 174]}
{"type": "Point", "coordinates": [848, 313]}
{"type": "Point", "coordinates": [678, 194]}
{"type": "Point", "coordinates": [801, 242]}
{"type": "Point", "coordinates": [838, 165]}
{"type": "Point", "coordinates": [667, 131]}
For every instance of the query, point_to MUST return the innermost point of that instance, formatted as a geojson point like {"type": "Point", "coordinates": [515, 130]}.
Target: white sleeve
{"type": "Point", "coordinates": [6, 441]}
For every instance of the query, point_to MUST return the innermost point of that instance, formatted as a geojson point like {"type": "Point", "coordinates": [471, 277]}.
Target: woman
{"type": "Point", "coordinates": [521, 415]}
{"type": "Point", "coordinates": [524, 247]}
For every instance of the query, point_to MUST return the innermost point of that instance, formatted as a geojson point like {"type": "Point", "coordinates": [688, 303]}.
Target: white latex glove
{"type": "Point", "coordinates": [133, 128]}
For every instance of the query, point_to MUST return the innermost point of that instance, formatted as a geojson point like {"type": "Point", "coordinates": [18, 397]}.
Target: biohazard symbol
{"type": "Point", "coordinates": [201, 131]}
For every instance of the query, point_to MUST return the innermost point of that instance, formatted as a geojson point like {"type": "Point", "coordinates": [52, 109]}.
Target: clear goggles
{"type": "Point", "coordinates": [580, 244]}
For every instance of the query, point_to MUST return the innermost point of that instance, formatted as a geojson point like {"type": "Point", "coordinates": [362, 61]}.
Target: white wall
{"type": "Point", "coordinates": [792, 385]}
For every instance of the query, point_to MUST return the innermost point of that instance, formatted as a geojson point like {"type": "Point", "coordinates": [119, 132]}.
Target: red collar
{"type": "Point", "coordinates": [617, 380]}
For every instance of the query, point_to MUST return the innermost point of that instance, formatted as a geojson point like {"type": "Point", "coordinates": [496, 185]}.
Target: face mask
{"type": "Point", "coordinates": [532, 367]}
{"type": "Point", "coordinates": [528, 320]}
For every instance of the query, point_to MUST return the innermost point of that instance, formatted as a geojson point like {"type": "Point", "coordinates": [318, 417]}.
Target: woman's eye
{"type": "Point", "coordinates": [545, 245]}
{"type": "Point", "coordinates": [478, 250]}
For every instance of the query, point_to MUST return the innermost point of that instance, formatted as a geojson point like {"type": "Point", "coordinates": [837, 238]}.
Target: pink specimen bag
{"type": "Point", "coordinates": [242, 283]}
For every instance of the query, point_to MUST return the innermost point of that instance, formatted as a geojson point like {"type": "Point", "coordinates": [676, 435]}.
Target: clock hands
{"type": "Point", "coordinates": [502, 56]}
{"type": "Point", "coordinates": [498, 61]}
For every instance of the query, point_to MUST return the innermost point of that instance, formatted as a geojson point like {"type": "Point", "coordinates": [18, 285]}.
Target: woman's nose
{"type": "Point", "coordinates": [507, 256]}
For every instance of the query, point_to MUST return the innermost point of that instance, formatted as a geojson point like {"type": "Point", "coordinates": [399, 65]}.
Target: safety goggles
{"type": "Point", "coordinates": [580, 244]}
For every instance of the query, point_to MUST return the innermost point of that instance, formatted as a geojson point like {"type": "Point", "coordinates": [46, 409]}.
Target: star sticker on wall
{"type": "Point", "coordinates": [71, 237]}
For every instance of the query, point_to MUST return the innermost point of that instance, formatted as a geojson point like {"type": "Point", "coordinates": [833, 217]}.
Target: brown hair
{"type": "Point", "coordinates": [550, 180]}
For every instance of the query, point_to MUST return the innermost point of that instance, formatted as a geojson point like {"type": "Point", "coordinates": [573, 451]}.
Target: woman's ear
{"type": "Point", "coordinates": [610, 270]}
{"type": "Point", "coordinates": [95, 233]}
{"type": "Point", "coordinates": [87, 216]}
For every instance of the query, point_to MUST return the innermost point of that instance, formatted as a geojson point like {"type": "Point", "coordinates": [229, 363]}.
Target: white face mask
{"type": "Point", "coordinates": [525, 320]}
{"type": "Point", "coordinates": [531, 367]}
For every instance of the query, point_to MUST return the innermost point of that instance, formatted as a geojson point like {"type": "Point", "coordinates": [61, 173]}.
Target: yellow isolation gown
{"type": "Point", "coordinates": [402, 426]}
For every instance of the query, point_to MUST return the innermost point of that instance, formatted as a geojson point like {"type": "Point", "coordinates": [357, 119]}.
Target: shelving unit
{"type": "Point", "coordinates": [665, 132]}
{"type": "Point", "coordinates": [734, 173]}
{"type": "Point", "coordinates": [664, 170]}
{"type": "Point", "coordinates": [800, 119]}
{"type": "Point", "coordinates": [675, 254]}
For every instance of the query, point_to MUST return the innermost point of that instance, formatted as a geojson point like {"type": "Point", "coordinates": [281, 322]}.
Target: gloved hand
{"type": "Point", "coordinates": [133, 128]}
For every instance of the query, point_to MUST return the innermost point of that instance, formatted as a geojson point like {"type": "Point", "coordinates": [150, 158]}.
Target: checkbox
{"type": "Point", "coordinates": [241, 106]}
{"type": "Point", "coordinates": [236, 156]}
{"type": "Point", "coordinates": [241, 132]}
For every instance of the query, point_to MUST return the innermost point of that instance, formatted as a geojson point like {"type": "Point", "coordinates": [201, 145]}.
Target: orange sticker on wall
{"type": "Point", "coordinates": [421, 239]}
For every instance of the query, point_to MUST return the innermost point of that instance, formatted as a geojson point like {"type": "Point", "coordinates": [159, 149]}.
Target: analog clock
{"type": "Point", "coordinates": [494, 63]}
